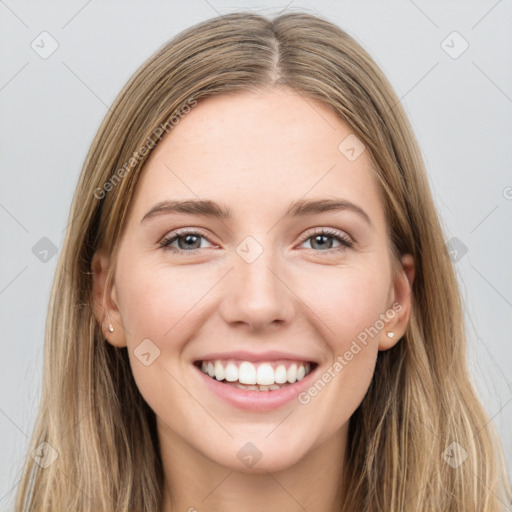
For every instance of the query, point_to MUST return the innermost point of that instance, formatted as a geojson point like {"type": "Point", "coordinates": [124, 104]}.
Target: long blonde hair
{"type": "Point", "coordinates": [420, 399]}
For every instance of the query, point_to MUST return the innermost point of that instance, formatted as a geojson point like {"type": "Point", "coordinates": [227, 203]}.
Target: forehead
{"type": "Point", "coordinates": [257, 151]}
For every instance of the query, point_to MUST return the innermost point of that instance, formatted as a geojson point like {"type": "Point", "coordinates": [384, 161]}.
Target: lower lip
{"type": "Point", "coordinates": [257, 400]}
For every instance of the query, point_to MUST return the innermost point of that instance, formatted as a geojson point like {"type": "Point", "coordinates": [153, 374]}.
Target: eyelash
{"type": "Point", "coordinates": [345, 242]}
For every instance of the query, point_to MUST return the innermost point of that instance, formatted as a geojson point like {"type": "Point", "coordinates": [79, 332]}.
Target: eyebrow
{"type": "Point", "coordinates": [208, 208]}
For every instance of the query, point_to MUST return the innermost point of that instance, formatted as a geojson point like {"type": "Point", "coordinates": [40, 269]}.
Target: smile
{"type": "Point", "coordinates": [255, 385]}
{"type": "Point", "coordinates": [262, 376]}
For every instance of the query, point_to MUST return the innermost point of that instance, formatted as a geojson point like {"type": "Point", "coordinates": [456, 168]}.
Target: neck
{"type": "Point", "coordinates": [193, 482]}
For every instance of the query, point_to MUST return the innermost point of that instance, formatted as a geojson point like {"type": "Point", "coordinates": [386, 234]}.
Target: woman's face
{"type": "Point", "coordinates": [268, 288]}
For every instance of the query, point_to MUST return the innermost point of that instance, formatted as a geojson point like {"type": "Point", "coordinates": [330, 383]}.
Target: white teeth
{"type": "Point", "coordinates": [291, 373]}
{"type": "Point", "coordinates": [231, 374]}
{"type": "Point", "coordinates": [265, 374]}
{"type": "Point", "coordinates": [219, 371]}
{"type": "Point", "coordinates": [247, 373]}
{"type": "Point", "coordinates": [280, 375]}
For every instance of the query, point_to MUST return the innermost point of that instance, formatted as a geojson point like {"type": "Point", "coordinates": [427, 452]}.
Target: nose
{"type": "Point", "coordinates": [257, 295]}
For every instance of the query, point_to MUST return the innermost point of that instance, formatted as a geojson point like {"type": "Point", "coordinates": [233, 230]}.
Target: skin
{"type": "Point", "coordinates": [256, 153]}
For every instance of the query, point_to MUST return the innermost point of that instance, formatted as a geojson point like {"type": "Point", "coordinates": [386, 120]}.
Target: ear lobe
{"type": "Point", "coordinates": [401, 307]}
{"type": "Point", "coordinates": [105, 302]}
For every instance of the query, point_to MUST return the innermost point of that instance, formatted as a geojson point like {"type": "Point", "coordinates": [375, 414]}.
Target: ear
{"type": "Point", "coordinates": [105, 301]}
{"type": "Point", "coordinates": [400, 304]}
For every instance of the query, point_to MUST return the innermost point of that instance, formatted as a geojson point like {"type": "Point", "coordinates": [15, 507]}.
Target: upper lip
{"type": "Point", "coordinates": [243, 355]}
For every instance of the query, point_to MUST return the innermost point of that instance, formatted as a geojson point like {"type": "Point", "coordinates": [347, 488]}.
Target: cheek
{"type": "Point", "coordinates": [351, 308]}
{"type": "Point", "coordinates": [155, 304]}
{"type": "Point", "coordinates": [156, 301]}
{"type": "Point", "coordinates": [350, 304]}
{"type": "Point", "coordinates": [159, 304]}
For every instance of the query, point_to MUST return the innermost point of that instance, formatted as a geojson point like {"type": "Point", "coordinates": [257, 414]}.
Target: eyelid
{"type": "Point", "coordinates": [334, 232]}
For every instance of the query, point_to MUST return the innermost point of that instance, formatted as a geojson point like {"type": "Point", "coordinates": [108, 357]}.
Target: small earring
{"type": "Point", "coordinates": [390, 334]}
{"type": "Point", "coordinates": [110, 328]}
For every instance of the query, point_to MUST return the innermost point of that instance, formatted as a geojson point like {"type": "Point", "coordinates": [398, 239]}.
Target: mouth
{"type": "Point", "coordinates": [263, 376]}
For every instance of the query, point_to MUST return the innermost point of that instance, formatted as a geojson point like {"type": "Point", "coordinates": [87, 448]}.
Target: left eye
{"type": "Point", "coordinates": [320, 239]}
{"type": "Point", "coordinates": [189, 241]}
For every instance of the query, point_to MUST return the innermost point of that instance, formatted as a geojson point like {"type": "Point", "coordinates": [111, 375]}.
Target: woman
{"type": "Point", "coordinates": [254, 306]}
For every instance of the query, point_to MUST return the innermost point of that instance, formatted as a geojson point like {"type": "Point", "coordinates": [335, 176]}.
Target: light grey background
{"type": "Point", "coordinates": [460, 109]}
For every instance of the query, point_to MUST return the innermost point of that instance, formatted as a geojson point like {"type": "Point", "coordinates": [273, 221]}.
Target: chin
{"type": "Point", "coordinates": [255, 454]}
